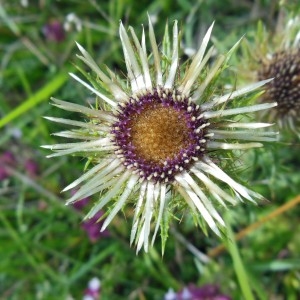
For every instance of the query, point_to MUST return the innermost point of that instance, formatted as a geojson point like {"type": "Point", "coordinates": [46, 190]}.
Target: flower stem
{"type": "Point", "coordinates": [237, 262]}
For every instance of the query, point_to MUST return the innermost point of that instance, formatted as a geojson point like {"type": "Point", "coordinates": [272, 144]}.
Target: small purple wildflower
{"type": "Point", "coordinates": [93, 290]}
{"type": "Point", "coordinates": [31, 167]}
{"type": "Point", "coordinates": [79, 205]}
{"type": "Point", "coordinates": [54, 31]}
{"type": "Point", "coordinates": [192, 292]}
{"type": "Point", "coordinates": [93, 227]}
{"type": "Point", "coordinates": [170, 295]}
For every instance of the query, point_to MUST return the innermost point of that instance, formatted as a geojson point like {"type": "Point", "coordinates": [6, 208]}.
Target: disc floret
{"type": "Point", "coordinates": [159, 134]}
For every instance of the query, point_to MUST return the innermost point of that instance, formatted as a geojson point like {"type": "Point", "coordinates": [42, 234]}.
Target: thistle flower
{"type": "Point", "coordinates": [277, 55]}
{"type": "Point", "coordinates": [156, 138]}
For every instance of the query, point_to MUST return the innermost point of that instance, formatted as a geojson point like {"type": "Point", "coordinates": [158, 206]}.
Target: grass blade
{"type": "Point", "coordinates": [238, 263]}
{"type": "Point", "coordinates": [41, 95]}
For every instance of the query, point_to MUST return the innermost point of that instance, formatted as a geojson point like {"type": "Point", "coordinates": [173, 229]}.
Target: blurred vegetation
{"type": "Point", "coordinates": [45, 253]}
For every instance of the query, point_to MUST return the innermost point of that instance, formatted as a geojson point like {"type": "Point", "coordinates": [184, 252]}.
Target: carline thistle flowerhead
{"type": "Point", "coordinates": [277, 55]}
{"type": "Point", "coordinates": [156, 138]}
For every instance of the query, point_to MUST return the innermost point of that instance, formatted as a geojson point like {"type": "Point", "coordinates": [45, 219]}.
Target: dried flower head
{"type": "Point", "coordinates": [158, 138]}
{"type": "Point", "coordinates": [277, 56]}
{"type": "Point", "coordinates": [284, 67]}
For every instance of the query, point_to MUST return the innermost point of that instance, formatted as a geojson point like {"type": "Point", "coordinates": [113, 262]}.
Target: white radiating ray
{"type": "Point", "coordinates": [197, 202]}
{"type": "Point", "coordinates": [141, 239]}
{"type": "Point", "coordinates": [138, 207]}
{"type": "Point", "coordinates": [113, 191]}
{"type": "Point", "coordinates": [212, 187]}
{"type": "Point", "coordinates": [97, 147]}
{"type": "Point", "coordinates": [232, 95]}
{"type": "Point", "coordinates": [143, 58]}
{"type": "Point", "coordinates": [81, 135]}
{"type": "Point", "coordinates": [148, 213]}
{"type": "Point", "coordinates": [133, 68]}
{"type": "Point", "coordinates": [267, 136]}
{"type": "Point", "coordinates": [244, 125]}
{"type": "Point", "coordinates": [174, 63]}
{"type": "Point", "coordinates": [99, 94]}
{"type": "Point", "coordinates": [88, 174]}
{"type": "Point", "coordinates": [212, 169]}
{"type": "Point", "coordinates": [102, 115]}
{"type": "Point", "coordinates": [115, 89]}
{"type": "Point", "coordinates": [157, 59]}
{"type": "Point", "coordinates": [210, 76]}
{"type": "Point", "coordinates": [234, 146]}
{"type": "Point", "coordinates": [98, 184]}
{"type": "Point", "coordinates": [206, 202]}
{"type": "Point", "coordinates": [79, 145]}
{"type": "Point", "coordinates": [121, 201]}
{"type": "Point", "coordinates": [238, 110]}
{"type": "Point", "coordinates": [75, 123]}
{"type": "Point", "coordinates": [196, 66]}
{"type": "Point", "coordinates": [162, 202]}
